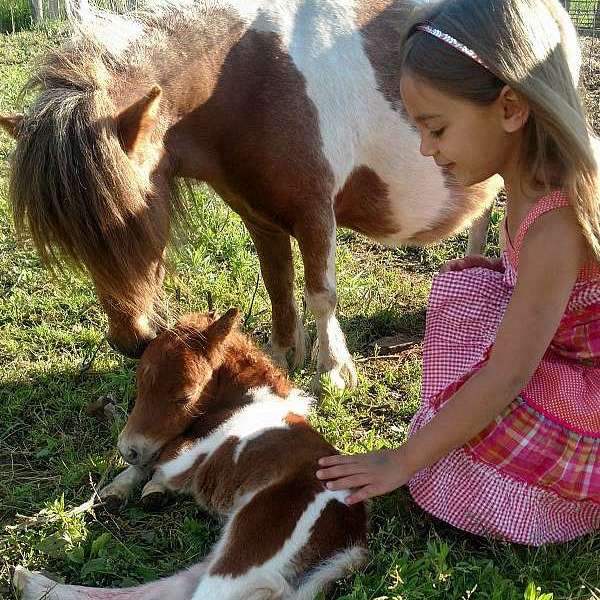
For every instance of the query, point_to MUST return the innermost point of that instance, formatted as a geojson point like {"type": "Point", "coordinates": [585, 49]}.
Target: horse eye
{"type": "Point", "coordinates": [183, 400]}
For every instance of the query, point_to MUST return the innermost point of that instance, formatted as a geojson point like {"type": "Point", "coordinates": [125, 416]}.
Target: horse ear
{"type": "Point", "coordinates": [136, 123]}
{"type": "Point", "coordinates": [216, 333]}
{"type": "Point", "coordinates": [12, 125]}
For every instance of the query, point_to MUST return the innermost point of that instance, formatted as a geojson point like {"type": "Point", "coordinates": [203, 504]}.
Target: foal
{"type": "Point", "coordinates": [214, 418]}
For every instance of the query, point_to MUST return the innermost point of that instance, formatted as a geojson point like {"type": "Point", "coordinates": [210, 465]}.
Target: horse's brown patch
{"type": "Point", "coordinates": [339, 526]}
{"type": "Point", "coordinates": [246, 367]}
{"type": "Point", "coordinates": [257, 139]}
{"type": "Point", "coordinates": [270, 517]}
{"type": "Point", "coordinates": [294, 419]}
{"type": "Point", "coordinates": [382, 23]}
{"type": "Point", "coordinates": [210, 486]}
{"type": "Point", "coordinates": [363, 204]}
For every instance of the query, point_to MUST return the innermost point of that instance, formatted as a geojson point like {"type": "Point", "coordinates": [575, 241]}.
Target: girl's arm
{"type": "Point", "coordinates": [550, 259]}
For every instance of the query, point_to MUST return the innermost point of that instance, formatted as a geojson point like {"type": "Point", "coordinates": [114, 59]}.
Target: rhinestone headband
{"type": "Point", "coordinates": [448, 39]}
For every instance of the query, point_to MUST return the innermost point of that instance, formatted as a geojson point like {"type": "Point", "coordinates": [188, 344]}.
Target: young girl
{"type": "Point", "coordinates": [507, 440]}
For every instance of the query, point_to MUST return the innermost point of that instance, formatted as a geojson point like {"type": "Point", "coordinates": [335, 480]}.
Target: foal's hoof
{"type": "Point", "coordinates": [154, 496]}
{"type": "Point", "coordinates": [153, 501]}
{"type": "Point", "coordinates": [113, 503]}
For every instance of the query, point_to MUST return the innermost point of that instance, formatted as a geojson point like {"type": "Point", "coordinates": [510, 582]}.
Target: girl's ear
{"type": "Point", "coordinates": [514, 108]}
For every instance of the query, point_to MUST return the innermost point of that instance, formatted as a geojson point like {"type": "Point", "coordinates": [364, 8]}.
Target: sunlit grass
{"type": "Point", "coordinates": [52, 453]}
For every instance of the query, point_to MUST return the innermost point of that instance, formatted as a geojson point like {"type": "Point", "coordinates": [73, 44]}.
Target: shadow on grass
{"type": "Point", "coordinates": [362, 331]}
{"type": "Point", "coordinates": [49, 444]}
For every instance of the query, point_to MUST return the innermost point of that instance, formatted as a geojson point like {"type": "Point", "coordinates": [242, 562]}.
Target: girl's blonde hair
{"type": "Point", "coordinates": [531, 46]}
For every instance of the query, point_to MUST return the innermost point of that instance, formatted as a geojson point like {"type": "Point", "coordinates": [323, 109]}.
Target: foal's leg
{"type": "Point", "coordinates": [317, 244]}
{"type": "Point", "coordinates": [288, 339]}
{"type": "Point", "coordinates": [155, 491]}
{"type": "Point", "coordinates": [34, 586]}
{"type": "Point", "coordinates": [117, 491]}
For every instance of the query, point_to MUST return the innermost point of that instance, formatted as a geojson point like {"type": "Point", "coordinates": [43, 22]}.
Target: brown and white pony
{"type": "Point", "coordinates": [289, 109]}
{"type": "Point", "coordinates": [216, 419]}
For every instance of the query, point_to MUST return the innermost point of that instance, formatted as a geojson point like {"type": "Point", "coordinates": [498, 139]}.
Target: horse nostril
{"type": "Point", "coordinates": [131, 455]}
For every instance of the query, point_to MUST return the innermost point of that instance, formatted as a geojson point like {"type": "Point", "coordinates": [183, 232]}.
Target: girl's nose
{"type": "Point", "coordinates": [426, 148]}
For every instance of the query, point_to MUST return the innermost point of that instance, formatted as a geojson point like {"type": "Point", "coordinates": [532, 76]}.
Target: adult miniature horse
{"type": "Point", "coordinates": [289, 109]}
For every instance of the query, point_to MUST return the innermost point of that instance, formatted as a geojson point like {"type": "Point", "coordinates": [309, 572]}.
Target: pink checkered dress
{"type": "Point", "coordinates": [533, 475]}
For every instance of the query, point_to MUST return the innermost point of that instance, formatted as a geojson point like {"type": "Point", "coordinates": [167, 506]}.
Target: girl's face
{"type": "Point", "coordinates": [472, 141]}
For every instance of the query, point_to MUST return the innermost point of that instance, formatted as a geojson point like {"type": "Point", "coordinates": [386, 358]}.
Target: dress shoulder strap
{"type": "Point", "coordinates": [552, 201]}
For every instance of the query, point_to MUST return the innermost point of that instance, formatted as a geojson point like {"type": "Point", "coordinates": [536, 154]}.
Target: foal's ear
{"type": "Point", "coordinates": [215, 333]}
{"type": "Point", "coordinates": [136, 123]}
{"type": "Point", "coordinates": [12, 125]}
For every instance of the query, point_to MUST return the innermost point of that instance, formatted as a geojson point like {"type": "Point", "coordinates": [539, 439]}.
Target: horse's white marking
{"type": "Point", "coordinates": [335, 568]}
{"type": "Point", "coordinates": [358, 126]}
{"type": "Point", "coordinates": [124, 482]}
{"type": "Point", "coordinates": [35, 586]}
{"type": "Point", "coordinates": [333, 358]}
{"type": "Point", "coordinates": [267, 411]}
{"type": "Point", "coordinates": [272, 573]}
{"type": "Point", "coordinates": [115, 32]}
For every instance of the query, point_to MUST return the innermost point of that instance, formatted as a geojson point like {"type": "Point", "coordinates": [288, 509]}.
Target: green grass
{"type": "Point", "coordinates": [15, 15]}
{"type": "Point", "coordinates": [52, 453]}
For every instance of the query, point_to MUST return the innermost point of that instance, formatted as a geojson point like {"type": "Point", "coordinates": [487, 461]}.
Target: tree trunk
{"type": "Point", "coordinates": [52, 9]}
{"type": "Point", "coordinates": [37, 10]}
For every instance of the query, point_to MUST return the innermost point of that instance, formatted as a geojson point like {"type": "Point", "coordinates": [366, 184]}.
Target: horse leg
{"type": "Point", "coordinates": [478, 233]}
{"type": "Point", "coordinates": [117, 491]}
{"type": "Point", "coordinates": [155, 492]}
{"type": "Point", "coordinates": [288, 339]}
{"type": "Point", "coordinates": [181, 586]}
{"type": "Point", "coordinates": [317, 245]}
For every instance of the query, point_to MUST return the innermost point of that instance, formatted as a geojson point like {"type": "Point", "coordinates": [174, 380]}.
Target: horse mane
{"type": "Point", "coordinates": [73, 189]}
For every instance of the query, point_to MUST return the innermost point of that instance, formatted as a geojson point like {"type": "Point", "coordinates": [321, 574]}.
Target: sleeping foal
{"type": "Point", "coordinates": [216, 419]}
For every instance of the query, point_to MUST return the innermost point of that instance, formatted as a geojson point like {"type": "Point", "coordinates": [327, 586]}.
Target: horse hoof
{"type": "Point", "coordinates": [153, 501]}
{"type": "Point", "coordinates": [340, 378]}
{"type": "Point", "coordinates": [113, 503]}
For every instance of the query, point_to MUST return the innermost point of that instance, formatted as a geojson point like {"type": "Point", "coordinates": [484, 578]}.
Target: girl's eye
{"type": "Point", "coordinates": [437, 132]}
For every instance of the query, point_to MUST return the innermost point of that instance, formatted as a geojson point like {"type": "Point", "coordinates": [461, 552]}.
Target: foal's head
{"type": "Point", "coordinates": [173, 383]}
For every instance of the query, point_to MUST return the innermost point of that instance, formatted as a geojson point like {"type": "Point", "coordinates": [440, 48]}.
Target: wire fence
{"type": "Point", "coordinates": [585, 15]}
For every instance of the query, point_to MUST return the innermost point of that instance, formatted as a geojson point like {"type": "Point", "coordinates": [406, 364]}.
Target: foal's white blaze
{"type": "Point", "coordinates": [273, 573]}
{"type": "Point", "coordinates": [267, 411]}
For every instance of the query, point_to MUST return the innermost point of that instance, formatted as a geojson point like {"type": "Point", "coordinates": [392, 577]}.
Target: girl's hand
{"type": "Point", "coordinates": [470, 262]}
{"type": "Point", "coordinates": [369, 475]}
